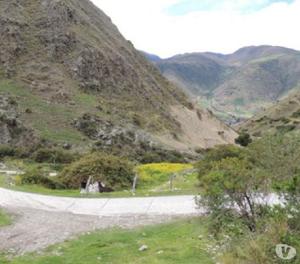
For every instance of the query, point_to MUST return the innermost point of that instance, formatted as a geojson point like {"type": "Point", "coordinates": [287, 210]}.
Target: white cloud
{"type": "Point", "coordinates": [151, 29]}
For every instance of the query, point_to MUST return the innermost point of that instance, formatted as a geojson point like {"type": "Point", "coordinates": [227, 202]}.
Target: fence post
{"type": "Point", "coordinates": [134, 183]}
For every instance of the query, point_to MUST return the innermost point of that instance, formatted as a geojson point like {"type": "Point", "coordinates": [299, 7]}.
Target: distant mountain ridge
{"type": "Point", "coordinates": [236, 85]}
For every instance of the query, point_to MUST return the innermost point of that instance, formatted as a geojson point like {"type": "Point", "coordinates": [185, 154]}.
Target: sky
{"type": "Point", "coordinates": [170, 27]}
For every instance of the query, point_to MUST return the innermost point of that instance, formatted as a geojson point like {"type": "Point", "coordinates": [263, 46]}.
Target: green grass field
{"type": "Point", "coordinates": [180, 242]}
{"type": "Point", "coordinates": [4, 219]}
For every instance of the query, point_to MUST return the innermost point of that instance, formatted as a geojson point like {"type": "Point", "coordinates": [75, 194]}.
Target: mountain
{"type": "Point", "coordinates": [282, 116]}
{"type": "Point", "coordinates": [151, 57]}
{"type": "Point", "coordinates": [68, 77]}
{"type": "Point", "coordinates": [237, 85]}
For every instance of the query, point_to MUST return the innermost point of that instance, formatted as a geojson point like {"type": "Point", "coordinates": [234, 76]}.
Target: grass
{"type": "Point", "coordinates": [4, 219]}
{"type": "Point", "coordinates": [158, 173]}
{"type": "Point", "coordinates": [153, 181]}
{"type": "Point", "coordinates": [177, 242]}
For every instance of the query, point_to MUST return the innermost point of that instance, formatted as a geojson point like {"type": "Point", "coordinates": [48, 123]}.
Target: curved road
{"type": "Point", "coordinates": [169, 205]}
{"type": "Point", "coordinates": [40, 221]}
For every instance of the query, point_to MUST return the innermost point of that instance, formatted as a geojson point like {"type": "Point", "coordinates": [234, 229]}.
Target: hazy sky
{"type": "Point", "coordinates": [169, 27]}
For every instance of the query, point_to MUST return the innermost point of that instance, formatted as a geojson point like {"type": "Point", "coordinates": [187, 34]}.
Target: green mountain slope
{"type": "Point", "coordinates": [237, 85]}
{"type": "Point", "coordinates": [283, 116]}
{"type": "Point", "coordinates": [75, 79]}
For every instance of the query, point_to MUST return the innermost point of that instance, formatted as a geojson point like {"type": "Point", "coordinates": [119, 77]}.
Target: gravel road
{"type": "Point", "coordinates": [40, 221]}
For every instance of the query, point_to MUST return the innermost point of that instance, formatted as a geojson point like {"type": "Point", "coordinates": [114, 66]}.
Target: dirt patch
{"type": "Point", "coordinates": [200, 129]}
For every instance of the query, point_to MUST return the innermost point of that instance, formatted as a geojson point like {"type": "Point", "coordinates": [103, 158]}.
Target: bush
{"type": "Point", "coordinates": [217, 154]}
{"type": "Point", "coordinates": [115, 172]}
{"type": "Point", "coordinates": [6, 151]}
{"type": "Point", "coordinates": [244, 139]}
{"type": "Point", "coordinates": [53, 156]}
{"type": "Point", "coordinates": [36, 176]}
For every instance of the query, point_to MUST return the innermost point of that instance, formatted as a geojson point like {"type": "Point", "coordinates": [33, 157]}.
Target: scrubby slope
{"type": "Point", "coordinates": [283, 116]}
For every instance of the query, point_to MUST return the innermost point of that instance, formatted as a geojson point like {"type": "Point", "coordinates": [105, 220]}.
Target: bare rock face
{"type": "Point", "coordinates": [107, 134]}
{"type": "Point", "coordinates": [10, 34]}
{"type": "Point", "coordinates": [12, 130]}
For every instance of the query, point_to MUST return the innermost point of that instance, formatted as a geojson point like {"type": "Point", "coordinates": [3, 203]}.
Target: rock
{"type": "Point", "coordinates": [67, 146]}
{"type": "Point", "coordinates": [12, 131]}
{"type": "Point", "coordinates": [143, 248]}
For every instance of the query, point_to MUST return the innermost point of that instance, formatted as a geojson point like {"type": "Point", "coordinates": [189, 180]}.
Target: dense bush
{"type": "Point", "coordinates": [17, 152]}
{"type": "Point", "coordinates": [37, 176]}
{"type": "Point", "coordinates": [244, 139]}
{"type": "Point", "coordinates": [6, 151]}
{"type": "Point", "coordinates": [115, 172]}
{"type": "Point", "coordinates": [53, 155]}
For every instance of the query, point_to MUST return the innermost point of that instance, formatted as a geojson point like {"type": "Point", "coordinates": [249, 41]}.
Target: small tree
{"type": "Point", "coordinates": [115, 172]}
{"type": "Point", "coordinates": [244, 139]}
{"type": "Point", "coordinates": [232, 184]}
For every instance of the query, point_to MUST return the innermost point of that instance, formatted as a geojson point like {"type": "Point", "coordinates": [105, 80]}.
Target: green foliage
{"type": "Point", "coordinates": [7, 151]}
{"type": "Point", "coordinates": [4, 219]}
{"type": "Point", "coordinates": [244, 139]}
{"type": "Point", "coordinates": [115, 172]}
{"type": "Point", "coordinates": [36, 176]}
{"type": "Point", "coordinates": [49, 155]}
{"type": "Point", "coordinates": [216, 154]}
{"type": "Point", "coordinates": [16, 152]}
{"type": "Point", "coordinates": [231, 182]}
{"type": "Point", "coordinates": [270, 164]}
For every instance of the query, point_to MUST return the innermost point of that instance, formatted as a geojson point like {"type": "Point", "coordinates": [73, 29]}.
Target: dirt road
{"type": "Point", "coordinates": [40, 221]}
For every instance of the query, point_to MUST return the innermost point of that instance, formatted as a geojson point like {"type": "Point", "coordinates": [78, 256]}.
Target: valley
{"type": "Point", "coordinates": [112, 155]}
{"type": "Point", "coordinates": [235, 86]}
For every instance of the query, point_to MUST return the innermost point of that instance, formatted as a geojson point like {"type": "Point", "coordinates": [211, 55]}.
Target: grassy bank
{"type": "Point", "coordinates": [154, 180]}
{"type": "Point", "coordinates": [170, 243]}
{"type": "Point", "coordinates": [4, 219]}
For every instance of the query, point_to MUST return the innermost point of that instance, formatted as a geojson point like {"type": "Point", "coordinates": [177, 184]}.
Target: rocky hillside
{"type": "Point", "coordinates": [76, 80]}
{"type": "Point", "coordinates": [237, 85]}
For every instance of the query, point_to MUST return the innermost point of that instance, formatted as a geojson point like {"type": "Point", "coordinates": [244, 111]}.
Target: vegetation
{"type": "Point", "coordinates": [114, 172]}
{"type": "Point", "coordinates": [244, 139]}
{"type": "Point", "coordinates": [165, 246]}
{"type": "Point", "coordinates": [36, 176]}
{"type": "Point", "coordinates": [4, 219]}
{"type": "Point", "coordinates": [233, 180]}
{"type": "Point", "coordinates": [50, 155]}
{"type": "Point", "coordinates": [159, 173]}
{"type": "Point", "coordinates": [153, 180]}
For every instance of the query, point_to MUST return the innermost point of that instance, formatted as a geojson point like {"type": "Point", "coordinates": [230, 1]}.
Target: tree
{"type": "Point", "coordinates": [113, 171]}
{"type": "Point", "coordinates": [244, 139]}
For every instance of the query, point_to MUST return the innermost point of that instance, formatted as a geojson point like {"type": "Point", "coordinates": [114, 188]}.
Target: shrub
{"type": "Point", "coordinates": [6, 151]}
{"type": "Point", "coordinates": [217, 154]}
{"type": "Point", "coordinates": [53, 156]}
{"type": "Point", "coordinates": [115, 172]}
{"type": "Point", "coordinates": [36, 176]}
{"type": "Point", "coordinates": [244, 139]}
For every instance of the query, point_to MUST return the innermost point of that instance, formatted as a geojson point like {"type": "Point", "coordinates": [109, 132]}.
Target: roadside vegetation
{"type": "Point", "coordinates": [4, 218]}
{"type": "Point", "coordinates": [231, 181]}
{"type": "Point", "coordinates": [59, 172]}
{"type": "Point", "coordinates": [179, 242]}
{"type": "Point", "coordinates": [238, 186]}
